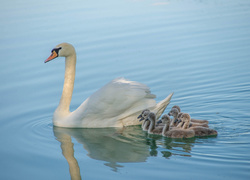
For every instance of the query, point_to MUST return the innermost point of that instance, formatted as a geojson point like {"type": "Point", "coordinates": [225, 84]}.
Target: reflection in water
{"type": "Point", "coordinates": [68, 153]}
{"type": "Point", "coordinates": [181, 147]}
{"type": "Point", "coordinates": [109, 144]}
{"type": "Point", "coordinates": [115, 146]}
{"type": "Point", "coordinates": [176, 146]}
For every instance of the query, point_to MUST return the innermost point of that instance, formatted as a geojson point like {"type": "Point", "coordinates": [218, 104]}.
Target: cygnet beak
{"type": "Point", "coordinates": [140, 116]}
{"type": "Point", "coordinates": [141, 119]}
{"type": "Point", "coordinates": [160, 121]}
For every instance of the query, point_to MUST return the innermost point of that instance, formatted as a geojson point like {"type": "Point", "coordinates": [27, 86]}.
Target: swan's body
{"type": "Point", "coordinates": [178, 133]}
{"type": "Point", "coordinates": [199, 130]}
{"type": "Point", "coordinates": [116, 104]}
{"type": "Point", "coordinates": [175, 132]}
{"type": "Point", "coordinates": [203, 131]}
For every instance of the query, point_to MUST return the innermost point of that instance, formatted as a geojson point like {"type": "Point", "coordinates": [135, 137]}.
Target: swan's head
{"type": "Point", "coordinates": [185, 117]}
{"type": "Point", "coordinates": [177, 107]}
{"type": "Point", "coordinates": [174, 112]}
{"type": "Point", "coordinates": [165, 119]}
{"type": "Point", "coordinates": [61, 50]}
{"type": "Point", "coordinates": [143, 115]}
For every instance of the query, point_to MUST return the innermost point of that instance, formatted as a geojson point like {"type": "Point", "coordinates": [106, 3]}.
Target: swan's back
{"type": "Point", "coordinates": [120, 96]}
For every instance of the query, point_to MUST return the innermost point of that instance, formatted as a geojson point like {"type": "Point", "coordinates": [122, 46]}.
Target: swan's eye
{"type": "Point", "coordinates": [56, 50]}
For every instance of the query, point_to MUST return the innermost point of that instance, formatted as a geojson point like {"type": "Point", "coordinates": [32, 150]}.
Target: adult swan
{"type": "Point", "coordinates": [116, 104]}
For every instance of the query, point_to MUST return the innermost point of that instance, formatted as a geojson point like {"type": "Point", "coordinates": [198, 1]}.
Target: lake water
{"type": "Point", "coordinates": [198, 49]}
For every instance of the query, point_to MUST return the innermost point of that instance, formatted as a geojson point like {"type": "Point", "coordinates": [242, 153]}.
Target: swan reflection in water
{"type": "Point", "coordinates": [116, 145]}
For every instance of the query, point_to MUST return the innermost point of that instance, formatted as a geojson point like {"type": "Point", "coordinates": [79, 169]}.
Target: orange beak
{"type": "Point", "coordinates": [52, 56]}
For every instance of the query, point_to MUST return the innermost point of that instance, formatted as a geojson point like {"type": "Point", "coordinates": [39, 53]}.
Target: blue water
{"type": "Point", "coordinates": [200, 50]}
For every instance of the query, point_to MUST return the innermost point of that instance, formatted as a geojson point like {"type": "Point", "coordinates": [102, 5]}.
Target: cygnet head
{"type": "Point", "coordinates": [151, 117]}
{"type": "Point", "coordinates": [179, 115]}
{"type": "Point", "coordinates": [185, 117]}
{"type": "Point", "coordinates": [177, 107]}
{"type": "Point", "coordinates": [61, 50]}
{"type": "Point", "coordinates": [165, 119]}
{"type": "Point", "coordinates": [173, 112]}
{"type": "Point", "coordinates": [143, 115]}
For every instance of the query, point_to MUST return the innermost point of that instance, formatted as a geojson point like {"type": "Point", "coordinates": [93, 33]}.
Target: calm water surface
{"type": "Point", "coordinates": [198, 49]}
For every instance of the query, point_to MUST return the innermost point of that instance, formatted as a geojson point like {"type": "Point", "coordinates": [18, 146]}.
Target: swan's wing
{"type": "Point", "coordinates": [117, 99]}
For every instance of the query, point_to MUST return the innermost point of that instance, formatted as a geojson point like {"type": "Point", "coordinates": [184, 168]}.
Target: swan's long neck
{"type": "Point", "coordinates": [175, 116]}
{"type": "Point", "coordinates": [69, 78]}
{"type": "Point", "coordinates": [145, 125]}
{"type": "Point", "coordinates": [186, 125]}
{"type": "Point", "coordinates": [151, 126]}
{"type": "Point", "coordinates": [165, 128]}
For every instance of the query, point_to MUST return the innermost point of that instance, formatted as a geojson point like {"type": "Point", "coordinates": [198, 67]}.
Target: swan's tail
{"type": "Point", "coordinates": [161, 106]}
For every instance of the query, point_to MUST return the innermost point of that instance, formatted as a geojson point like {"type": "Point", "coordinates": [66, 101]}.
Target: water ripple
{"type": "Point", "coordinates": [197, 49]}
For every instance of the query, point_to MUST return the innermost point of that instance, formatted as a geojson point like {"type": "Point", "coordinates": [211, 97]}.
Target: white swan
{"type": "Point", "coordinates": [117, 104]}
